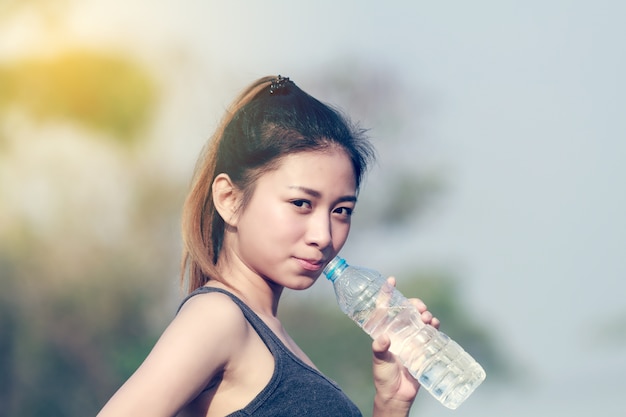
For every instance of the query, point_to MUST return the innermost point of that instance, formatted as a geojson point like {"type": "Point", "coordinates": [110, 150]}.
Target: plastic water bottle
{"type": "Point", "coordinates": [440, 365]}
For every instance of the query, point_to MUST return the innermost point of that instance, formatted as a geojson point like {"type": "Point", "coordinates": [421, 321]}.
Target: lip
{"type": "Point", "coordinates": [310, 264]}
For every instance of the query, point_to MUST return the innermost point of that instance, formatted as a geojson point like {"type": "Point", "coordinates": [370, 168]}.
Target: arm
{"type": "Point", "coordinates": [197, 344]}
{"type": "Point", "coordinates": [395, 386]}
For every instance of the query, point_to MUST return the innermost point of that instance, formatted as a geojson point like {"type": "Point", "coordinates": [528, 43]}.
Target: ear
{"type": "Point", "coordinates": [226, 198]}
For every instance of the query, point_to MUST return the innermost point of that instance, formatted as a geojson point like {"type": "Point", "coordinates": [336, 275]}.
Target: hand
{"type": "Point", "coordinates": [395, 386]}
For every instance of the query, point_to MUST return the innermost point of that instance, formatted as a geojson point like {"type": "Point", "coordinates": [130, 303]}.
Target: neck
{"type": "Point", "coordinates": [261, 295]}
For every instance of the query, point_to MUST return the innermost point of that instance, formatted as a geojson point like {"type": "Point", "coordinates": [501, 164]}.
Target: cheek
{"type": "Point", "coordinates": [276, 222]}
{"type": "Point", "coordinates": [288, 226]}
{"type": "Point", "coordinates": [340, 233]}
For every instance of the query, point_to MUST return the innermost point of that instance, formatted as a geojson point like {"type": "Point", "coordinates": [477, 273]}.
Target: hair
{"type": "Point", "coordinates": [270, 119]}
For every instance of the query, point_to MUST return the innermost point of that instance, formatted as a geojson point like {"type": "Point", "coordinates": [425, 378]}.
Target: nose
{"type": "Point", "coordinates": [319, 232]}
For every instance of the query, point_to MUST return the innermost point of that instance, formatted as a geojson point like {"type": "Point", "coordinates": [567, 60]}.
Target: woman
{"type": "Point", "coordinates": [269, 207]}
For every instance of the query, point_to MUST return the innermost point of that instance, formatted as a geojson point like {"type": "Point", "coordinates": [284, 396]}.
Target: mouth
{"type": "Point", "coordinates": [311, 264]}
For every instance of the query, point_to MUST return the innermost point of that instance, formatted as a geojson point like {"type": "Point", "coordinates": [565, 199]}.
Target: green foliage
{"type": "Point", "coordinates": [108, 93]}
{"type": "Point", "coordinates": [68, 341]}
{"type": "Point", "coordinates": [77, 317]}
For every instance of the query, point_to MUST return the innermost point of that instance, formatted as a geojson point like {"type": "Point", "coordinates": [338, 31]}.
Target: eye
{"type": "Point", "coordinates": [344, 211]}
{"type": "Point", "coordinates": [302, 204]}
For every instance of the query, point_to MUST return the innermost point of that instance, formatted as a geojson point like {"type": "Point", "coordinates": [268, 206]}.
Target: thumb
{"type": "Point", "coordinates": [386, 372]}
{"type": "Point", "coordinates": [380, 348]}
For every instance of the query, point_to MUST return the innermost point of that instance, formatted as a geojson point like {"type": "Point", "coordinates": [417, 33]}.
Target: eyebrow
{"type": "Point", "coordinates": [317, 194]}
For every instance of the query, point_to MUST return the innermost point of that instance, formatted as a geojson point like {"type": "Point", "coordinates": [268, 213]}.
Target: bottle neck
{"type": "Point", "coordinates": [335, 268]}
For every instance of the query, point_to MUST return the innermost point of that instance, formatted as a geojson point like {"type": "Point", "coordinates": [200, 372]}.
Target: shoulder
{"type": "Point", "coordinates": [211, 315]}
{"type": "Point", "coordinates": [204, 336]}
{"type": "Point", "coordinates": [201, 341]}
{"type": "Point", "coordinates": [207, 301]}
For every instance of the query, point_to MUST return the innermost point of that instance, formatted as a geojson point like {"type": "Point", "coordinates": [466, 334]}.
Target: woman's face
{"type": "Point", "coordinates": [298, 218]}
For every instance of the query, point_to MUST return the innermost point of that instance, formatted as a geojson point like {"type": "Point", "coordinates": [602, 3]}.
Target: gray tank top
{"type": "Point", "coordinates": [295, 388]}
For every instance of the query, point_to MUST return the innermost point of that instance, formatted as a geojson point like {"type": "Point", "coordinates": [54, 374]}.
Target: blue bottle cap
{"type": "Point", "coordinates": [336, 265]}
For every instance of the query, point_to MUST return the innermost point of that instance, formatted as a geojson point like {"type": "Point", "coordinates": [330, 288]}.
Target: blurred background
{"type": "Point", "coordinates": [498, 197]}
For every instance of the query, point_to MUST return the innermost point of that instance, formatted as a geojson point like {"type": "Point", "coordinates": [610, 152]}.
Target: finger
{"type": "Point", "coordinates": [419, 304]}
{"type": "Point", "coordinates": [427, 317]}
{"type": "Point", "coordinates": [391, 281]}
{"type": "Point", "coordinates": [380, 348]}
{"type": "Point", "coordinates": [435, 322]}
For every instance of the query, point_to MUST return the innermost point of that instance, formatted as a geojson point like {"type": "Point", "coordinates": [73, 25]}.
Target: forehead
{"type": "Point", "coordinates": [326, 167]}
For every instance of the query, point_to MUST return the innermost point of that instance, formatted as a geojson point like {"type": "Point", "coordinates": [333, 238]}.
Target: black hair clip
{"type": "Point", "coordinates": [278, 83]}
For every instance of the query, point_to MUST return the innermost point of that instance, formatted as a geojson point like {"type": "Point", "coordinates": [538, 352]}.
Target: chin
{"type": "Point", "coordinates": [303, 285]}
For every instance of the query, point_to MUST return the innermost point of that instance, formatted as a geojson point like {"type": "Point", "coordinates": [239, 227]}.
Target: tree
{"type": "Point", "coordinates": [76, 305]}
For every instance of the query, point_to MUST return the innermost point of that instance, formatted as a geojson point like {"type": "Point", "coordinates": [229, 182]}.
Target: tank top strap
{"type": "Point", "coordinates": [265, 333]}
{"type": "Point", "coordinates": [295, 388]}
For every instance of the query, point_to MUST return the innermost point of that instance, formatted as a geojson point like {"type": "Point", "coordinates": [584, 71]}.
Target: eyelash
{"type": "Point", "coordinates": [300, 204]}
{"type": "Point", "coordinates": [348, 211]}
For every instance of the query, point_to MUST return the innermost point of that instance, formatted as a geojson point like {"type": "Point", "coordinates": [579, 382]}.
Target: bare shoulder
{"type": "Point", "coordinates": [212, 316]}
{"type": "Point", "coordinates": [203, 337]}
{"type": "Point", "coordinates": [212, 305]}
{"type": "Point", "coordinates": [198, 344]}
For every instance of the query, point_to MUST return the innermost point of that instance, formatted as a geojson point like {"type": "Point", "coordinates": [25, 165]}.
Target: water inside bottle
{"type": "Point", "coordinates": [440, 365]}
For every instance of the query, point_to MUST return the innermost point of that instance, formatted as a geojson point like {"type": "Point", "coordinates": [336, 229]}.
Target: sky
{"type": "Point", "coordinates": [529, 100]}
